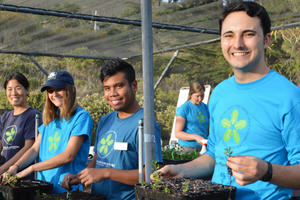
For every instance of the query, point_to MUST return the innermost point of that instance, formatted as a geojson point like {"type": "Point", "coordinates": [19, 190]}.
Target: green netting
{"type": "Point", "coordinates": [48, 34]}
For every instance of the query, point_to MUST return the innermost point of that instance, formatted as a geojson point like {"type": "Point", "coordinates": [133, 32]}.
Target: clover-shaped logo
{"type": "Point", "coordinates": [232, 126]}
{"type": "Point", "coordinates": [10, 135]}
{"type": "Point", "coordinates": [105, 143]}
{"type": "Point", "coordinates": [201, 118]}
{"type": "Point", "coordinates": [53, 141]}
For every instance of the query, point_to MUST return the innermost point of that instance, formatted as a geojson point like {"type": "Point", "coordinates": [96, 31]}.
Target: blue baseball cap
{"type": "Point", "coordinates": [58, 79]}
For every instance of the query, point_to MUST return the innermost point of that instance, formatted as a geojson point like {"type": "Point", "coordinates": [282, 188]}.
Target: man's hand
{"type": "Point", "coordinates": [247, 169]}
{"type": "Point", "coordinates": [69, 180]}
{"type": "Point", "coordinates": [171, 171]}
{"type": "Point", "coordinates": [93, 175]}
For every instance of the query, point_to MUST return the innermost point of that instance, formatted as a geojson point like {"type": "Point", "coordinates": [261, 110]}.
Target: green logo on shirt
{"type": "Point", "coordinates": [105, 143]}
{"type": "Point", "coordinates": [201, 118]}
{"type": "Point", "coordinates": [232, 126]}
{"type": "Point", "coordinates": [53, 141]}
{"type": "Point", "coordinates": [10, 135]}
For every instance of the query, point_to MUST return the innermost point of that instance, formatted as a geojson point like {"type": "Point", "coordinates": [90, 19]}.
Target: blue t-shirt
{"type": "Point", "coordinates": [15, 129]}
{"type": "Point", "coordinates": [196, 121]}
{"type": "Point", "coordinates": [112, 129]}
{"type": "Point", "coordinates": [259, 119]}
{"type": "Point", "coordinates": [55, 138]}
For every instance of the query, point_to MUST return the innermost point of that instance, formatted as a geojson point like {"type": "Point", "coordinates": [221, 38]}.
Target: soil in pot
{"type": "Point", "coordinates": [184, 189]}
{"type": "Point", "coordinates": [76, 195]}
{"type": "Point", "coordinates": [25, 190]}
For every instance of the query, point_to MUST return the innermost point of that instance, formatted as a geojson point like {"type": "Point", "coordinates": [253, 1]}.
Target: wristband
{"type": "Point", "coordinates": [269, 173]}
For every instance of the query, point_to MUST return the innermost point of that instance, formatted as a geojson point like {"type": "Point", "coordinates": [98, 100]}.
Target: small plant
{"type": "Point", "coordinates": [156, 176]}
{"type": "Point", "coordinates": [228, 152]}
{"type": "Point", "coordinates": [167, 190]}
{"type": "Point", "coordinates": [10, 180]}
{"type": "Point", "coordinates": [185, 186]}
{"type": "Point", "coordinates": [144, 183]}
{"type": "Point", "coordinates": [176, 152]}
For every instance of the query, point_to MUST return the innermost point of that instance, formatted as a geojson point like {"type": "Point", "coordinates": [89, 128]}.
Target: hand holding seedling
{"type": "Point", "coordinates": [8, 179]}
{"type": "Point", "coordinates": [171, 171]}
{"type": "Point", "coordinates": [69, 180]}
{"type": "Point", "coordinates": [246, 169]}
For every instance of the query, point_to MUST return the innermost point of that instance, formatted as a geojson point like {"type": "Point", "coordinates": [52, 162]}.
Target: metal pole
{"type": "Point", "coordinates": [141, 143]}
{"type": "Point", "coordinates": [35, 136]}
{"type": "Point", "coordinates": [165, 70]}
{"type": "Point", "coordinates": [147, 54]}
{"type": "Point", "coordinates": [38, 65]}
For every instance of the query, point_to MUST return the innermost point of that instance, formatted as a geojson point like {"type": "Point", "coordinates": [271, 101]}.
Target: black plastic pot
{"type": "Point", "coordinates": [198, 189]}
{"type": "Point", "coordinates": [76, 195]}
{"type": "Point", "coordinates": [25, 190]}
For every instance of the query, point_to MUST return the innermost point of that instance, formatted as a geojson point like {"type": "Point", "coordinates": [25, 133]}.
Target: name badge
{"type": "Point", "coordinates": [123, 146]}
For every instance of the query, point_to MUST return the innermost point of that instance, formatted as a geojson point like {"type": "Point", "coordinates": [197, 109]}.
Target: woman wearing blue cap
{"type": "Point", "coordinates": [62, 146]}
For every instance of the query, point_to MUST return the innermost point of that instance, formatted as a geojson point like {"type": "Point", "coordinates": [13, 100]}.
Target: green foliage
{"type": "Point", "coordinates": [167, 190]}
{"type": "Point", "coordinates": [176, 152]}
{"type": "Point", "coordinates": [156, 182]}
{"type": "Point", "coordinates": [185, 186]}
{"type": "Point", "coordinates": [130, 9]}
{"type": "Point", "coordinates": [228, 152]}
{"type": "Point", "coordinates": [36, 100]}
{"type": "Point", "coordinates": [4, 104]}
{"type": "Point", "coordinates": [10, 180]}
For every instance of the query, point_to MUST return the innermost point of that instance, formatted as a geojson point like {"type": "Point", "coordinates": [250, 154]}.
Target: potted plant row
{"type": "Point", "coordinates": [13, 189]}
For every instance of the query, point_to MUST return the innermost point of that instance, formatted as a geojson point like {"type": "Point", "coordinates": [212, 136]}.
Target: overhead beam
{"type": "Point", "coordinates": [54, 55]}
{"type": "Point", "coordinates": [39, 11]}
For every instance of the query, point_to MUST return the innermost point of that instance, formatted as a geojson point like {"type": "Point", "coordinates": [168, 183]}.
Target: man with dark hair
{"type": "Point", "coordinates": [254, 116]}
{"type": "Point", "coordinates": [114, 169]}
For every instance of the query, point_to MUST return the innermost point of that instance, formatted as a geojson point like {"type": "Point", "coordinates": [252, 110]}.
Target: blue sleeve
{"type": "Point", "coordinates": [181, 111]}
{"type": "Point", "coordinates": [42, 129]}
{"type": "Point", "coordinates": [83, 125]}
{"type": "Point", "coordinates": [211, 137]}
{"type": "Point", "coordinates": [291, 134]}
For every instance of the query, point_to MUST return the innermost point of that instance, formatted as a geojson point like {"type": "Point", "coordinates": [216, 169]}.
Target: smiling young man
{"type": "Point", "coordinates": [255, 113]}
{"type": "Point", "coordinates": [114, 169]}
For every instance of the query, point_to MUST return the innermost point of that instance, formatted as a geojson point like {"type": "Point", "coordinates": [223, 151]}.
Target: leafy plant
{"type": "Point", "coordinates": [176, 152]}
{"type": "Point", "coordinates": [156, 176]}
{"type": "Point", "coordinates": [10, 180]}
{"type": "Point", "coordinates": [228, 152]}
{"type": "Point", "coordinates": [186, 186]}
{"type": "Point", "coordinates": [167, 190]}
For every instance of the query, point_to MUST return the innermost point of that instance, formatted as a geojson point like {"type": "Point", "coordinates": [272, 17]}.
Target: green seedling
{"type": "Point", "coordinates": [185, 186]}
{"type": "Point", "coordinates": [167, 190]}
{"type": "Point", "coordinates": [156, 183]}
{"type": "Point", "coordinates": [10, 180]}
{"type": "Point", "coordinates": [228, 152]}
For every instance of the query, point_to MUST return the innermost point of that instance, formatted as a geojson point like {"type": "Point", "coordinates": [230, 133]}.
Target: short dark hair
{"type": "Point", "coordinates": [117, 65]}
{"type": "Point", "coordinates": [19, 77]}
{"type": "Point", "coordinates": [252, 9]}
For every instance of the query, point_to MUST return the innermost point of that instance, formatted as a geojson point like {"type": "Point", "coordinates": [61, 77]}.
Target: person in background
{"type": "Point", "coordinates": [62, 145]}
{"type": "Point", "coordinates": [254, 116]}
{"type": "Point", "coordinates": [114, 169]}
{"type": "Point", "coordinates": [17, 127]}
{"type": "Point", "coordinates": [192, 120]}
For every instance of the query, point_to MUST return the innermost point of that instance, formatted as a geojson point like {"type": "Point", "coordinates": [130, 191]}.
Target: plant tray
{"type": "Point", "coordinates": [76, 195]}
{"type": "Point", "coordinates": [198, 189]}
{"type": "Point", "coordinates": [25, 190]}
